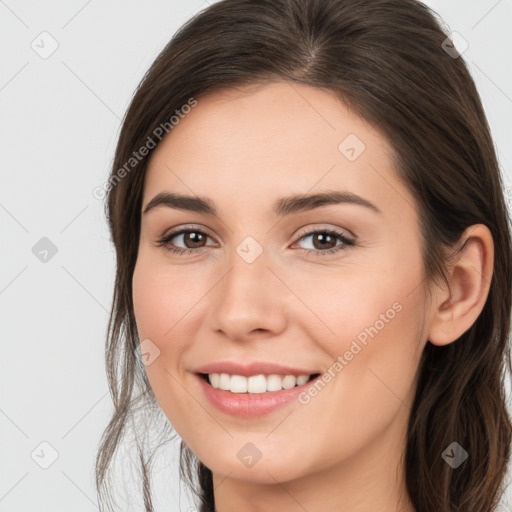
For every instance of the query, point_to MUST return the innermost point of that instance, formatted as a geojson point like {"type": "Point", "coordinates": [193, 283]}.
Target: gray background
{"type": "Point", "coordinates": [59, 123]}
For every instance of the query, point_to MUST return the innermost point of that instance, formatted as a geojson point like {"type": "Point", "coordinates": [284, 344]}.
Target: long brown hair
{"type": "Point", "coordinates": [388, 60]}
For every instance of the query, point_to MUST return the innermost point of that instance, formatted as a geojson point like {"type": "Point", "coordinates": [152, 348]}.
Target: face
{"type": "Point", "coordinates": [260, 285]}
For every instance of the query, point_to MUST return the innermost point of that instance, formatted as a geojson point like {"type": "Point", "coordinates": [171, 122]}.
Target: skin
{"type": "Point", "coordinates": [244, 149]}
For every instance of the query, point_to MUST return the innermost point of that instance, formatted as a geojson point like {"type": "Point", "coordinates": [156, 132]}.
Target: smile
{"type": "Point", "coordinates": [255, 384]}
{"type": "Point", "coordinates": [250, 396]}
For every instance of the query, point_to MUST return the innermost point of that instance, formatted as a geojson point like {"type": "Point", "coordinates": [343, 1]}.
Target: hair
{"type": "Point", "coordinates": [384, 59]}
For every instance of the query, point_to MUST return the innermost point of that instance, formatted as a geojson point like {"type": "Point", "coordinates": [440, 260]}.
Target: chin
{"type": "Point", "coordinates": [262, 471]}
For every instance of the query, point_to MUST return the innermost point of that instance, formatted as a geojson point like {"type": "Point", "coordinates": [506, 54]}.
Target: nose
{"type": "Point", "coordinates": [249, 301]}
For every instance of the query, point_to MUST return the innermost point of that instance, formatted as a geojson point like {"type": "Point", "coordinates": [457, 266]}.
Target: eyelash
{"type": "Point", "coordinates": [346, 241]}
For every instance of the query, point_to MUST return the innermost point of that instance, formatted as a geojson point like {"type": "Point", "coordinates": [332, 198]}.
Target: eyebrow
{"type": "Point", "coordinates": [284, 206]}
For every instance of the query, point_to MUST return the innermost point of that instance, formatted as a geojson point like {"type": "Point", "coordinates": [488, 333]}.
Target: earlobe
{"type": "Point", "coordinates": [469, 277]}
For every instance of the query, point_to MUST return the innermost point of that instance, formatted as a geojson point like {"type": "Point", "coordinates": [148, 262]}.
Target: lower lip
{"type": "Point", "coordinates": [250, 405]}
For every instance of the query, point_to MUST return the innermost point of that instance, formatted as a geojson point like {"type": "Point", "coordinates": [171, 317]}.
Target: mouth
{"type": "Point", "coordinates": [255, 384]}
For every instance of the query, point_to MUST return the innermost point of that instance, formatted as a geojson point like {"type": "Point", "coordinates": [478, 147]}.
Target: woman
{"type": "Point", "coordinates": [313, 263]}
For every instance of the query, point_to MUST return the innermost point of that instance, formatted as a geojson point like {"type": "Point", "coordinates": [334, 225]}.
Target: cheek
{"type": "Point", "coordinates": [157, 309]}
{"type": "Point", "coordinates": [161, 300]}
{"type": "Point", "coordinates": [162, 304]}
{"type": "Point", "coordinates": [364, 301]}
{"type": "Point", "coordinates": [373, 327]}
{"type": "Point", "coordinates": [373, 379]}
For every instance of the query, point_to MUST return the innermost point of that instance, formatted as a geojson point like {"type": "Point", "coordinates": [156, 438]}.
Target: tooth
{"type": "Point", "coordinates": [257, 384]}
{"type": "Point", "coordinates": [214, 379]}
{"type": "Point", "coordinates": [289, 381]}
{"type": "Point", "coordinates": [224, 381]}
{"type": "Point", "coordinates": [238, 384]}
{"type": "Point", "coordinates": [274, 383]}
{"type": "Point", "coordinates": [302, 379]}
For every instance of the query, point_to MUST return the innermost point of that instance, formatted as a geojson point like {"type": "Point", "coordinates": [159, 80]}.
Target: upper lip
{"type": "Point", "coordinates": [255, 368]}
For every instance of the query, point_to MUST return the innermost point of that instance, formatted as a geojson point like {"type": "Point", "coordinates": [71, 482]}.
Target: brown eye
{"type": "Point", "coordinates": [325, 241]}
{"type": "Point", "coordinates": [192, 239]}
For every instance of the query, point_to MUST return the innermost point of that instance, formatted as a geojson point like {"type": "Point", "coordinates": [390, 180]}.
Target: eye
{"type": "Point", "coordinates": [194, 238]}
{"type": "Point", "coordinates": [325, 241]}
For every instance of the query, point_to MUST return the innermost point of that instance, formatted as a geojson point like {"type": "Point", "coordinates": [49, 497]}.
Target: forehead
{"type": "Point", "coordinates": [254, 142]}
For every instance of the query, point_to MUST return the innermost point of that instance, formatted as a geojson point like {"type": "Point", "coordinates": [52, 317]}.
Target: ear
{"type": "Point", "coordinates": [456, 309]}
